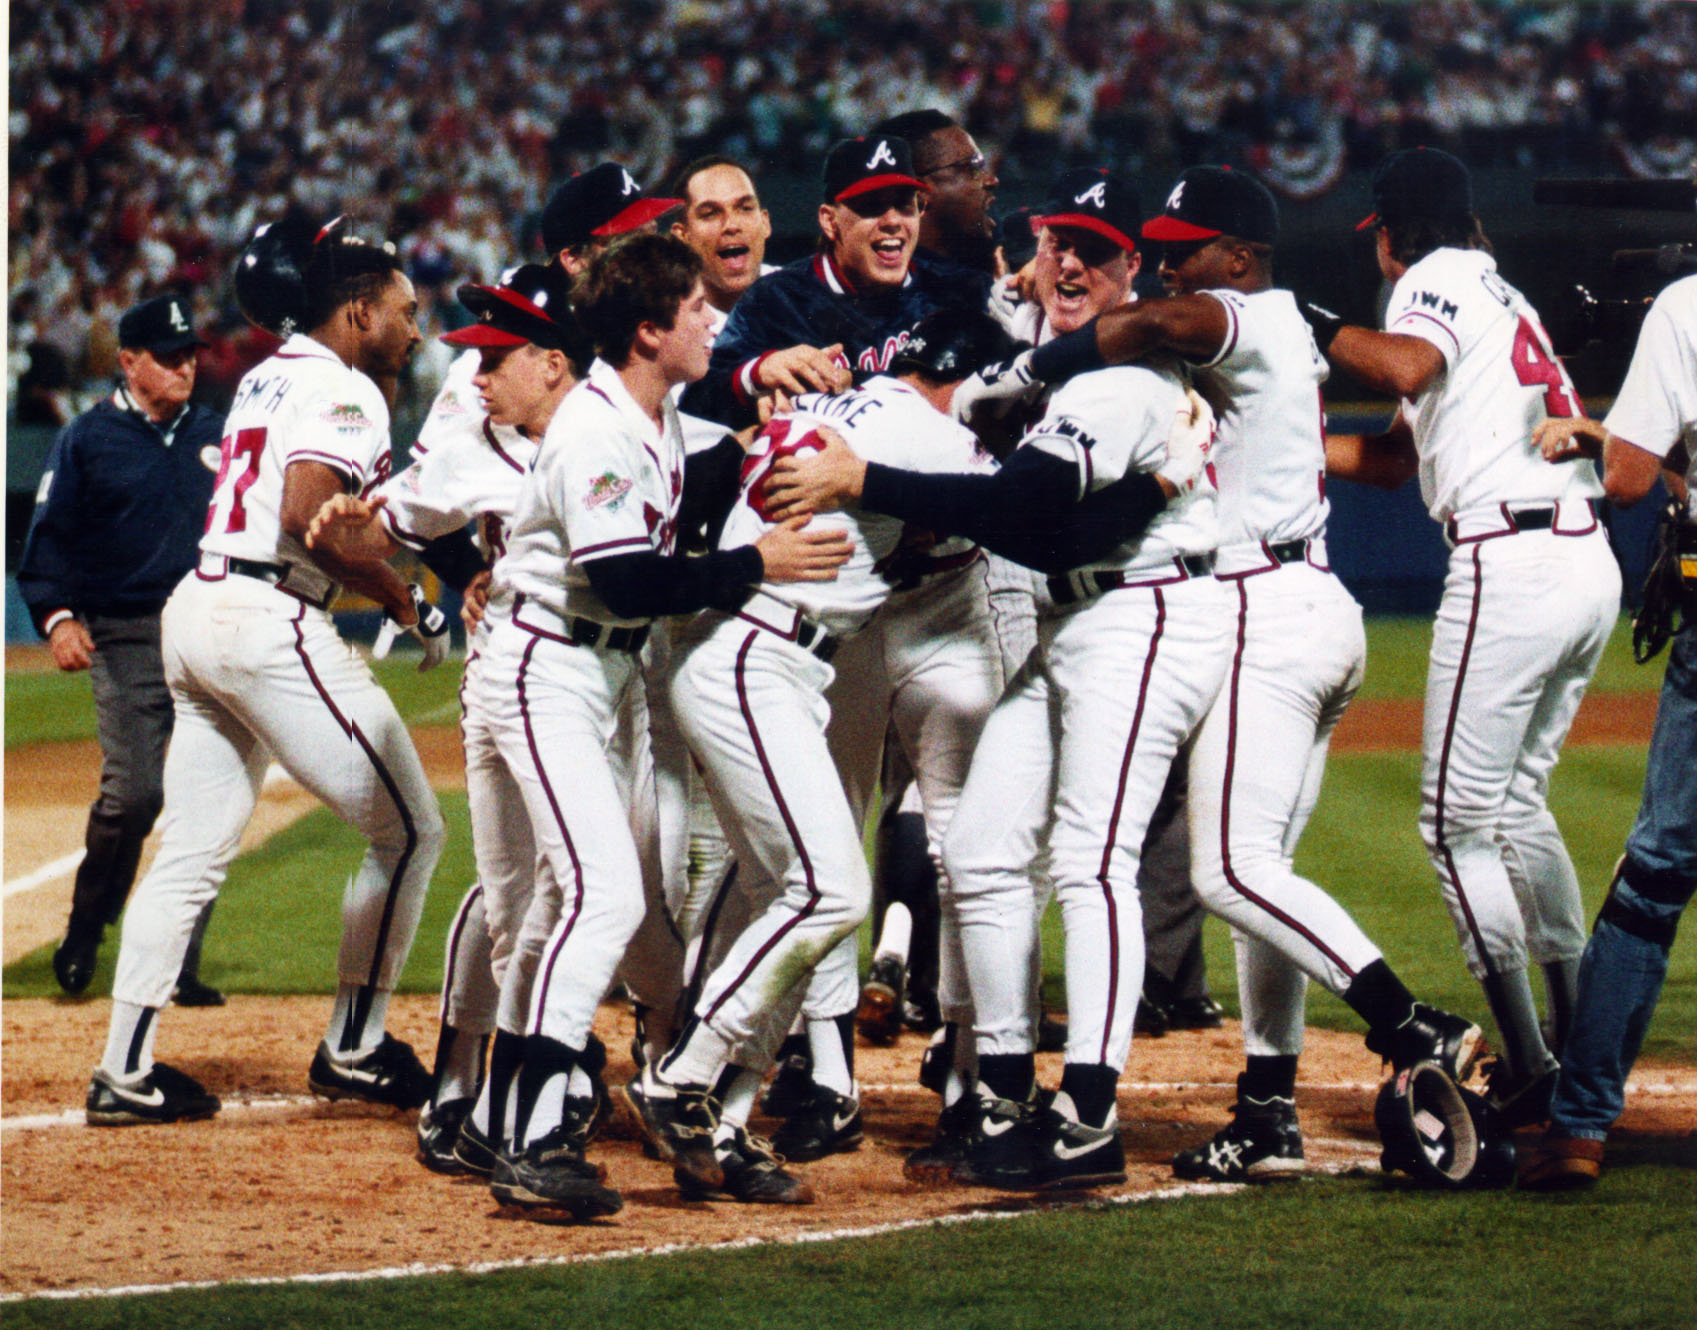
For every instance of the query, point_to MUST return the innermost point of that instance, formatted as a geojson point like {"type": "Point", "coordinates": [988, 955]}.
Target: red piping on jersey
{"type": "Point", "coordinates": [1449, 332]}
{"type": "Point", "coordinates": [502, 453]}
{"type": "Point", "coordinates": [644, 541]}
{"type": "Point", "coordinates": [1438, 834]}
{"type": "Point", "coordinates": [600, 392]}
{"type": "Point", "coordinates": [1237, 883]}
{"type": "Point", "coordinates": [813, 893]}
{"type": "Point", "coordinates": [1114, 824]}
{"type": "Point", "coordinates": [563, 929]}
{"type": "Point", "coordinates": [362, 1005]}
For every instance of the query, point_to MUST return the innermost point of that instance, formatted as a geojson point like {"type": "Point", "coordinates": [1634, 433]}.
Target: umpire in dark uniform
{"type": "Point", "coordinates": [117, 524]}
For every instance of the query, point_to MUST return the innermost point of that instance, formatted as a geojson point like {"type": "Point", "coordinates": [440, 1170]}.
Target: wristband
{"type": "Point", "coordinates": [1069, 355]}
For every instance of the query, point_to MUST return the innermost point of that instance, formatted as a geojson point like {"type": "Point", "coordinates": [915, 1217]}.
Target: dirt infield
{"type": "Point", "coordinates": [296, 1187]}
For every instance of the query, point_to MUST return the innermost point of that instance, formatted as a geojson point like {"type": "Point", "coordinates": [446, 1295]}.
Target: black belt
{"type": "Point", "coordinates": [1535, 519]}
{"type": "Point", "coordinates": [808, 635]}
{"type": "Point", "coordinates": [1288, 551]}
{"type": "Point", "coordinates": [1096, 582]}
{"type": "Point", "coordinates": [592, 633]}
{"type": "Point", "coordinates": [277, 574]}
{"type": "Point", "coordinates": [1525, 519]}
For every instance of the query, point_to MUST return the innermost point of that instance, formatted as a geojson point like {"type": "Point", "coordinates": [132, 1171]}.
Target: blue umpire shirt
{"type": "Point", "coordinates": [120, 511]}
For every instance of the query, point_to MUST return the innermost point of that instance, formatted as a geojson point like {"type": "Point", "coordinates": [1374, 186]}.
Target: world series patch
{"type": "Point", "coordinates": [607, 491]}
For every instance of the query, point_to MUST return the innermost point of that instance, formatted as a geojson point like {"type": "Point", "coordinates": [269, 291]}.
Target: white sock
{"type": "Point", "coordinates": [830, 1063]}
{"type": "Point", "coordinates": [480, 1110]}
{"type": "Point", "coordinates": [370, 1034]}
{"type": "Point", "coordinates": [464, 1065]}
{"type": "Point", "coordinates": [548, 1110]}
{"type": "Point", "coordinates": [739, 1099]}
{"type": "Point", "coordinates": [896, 936]}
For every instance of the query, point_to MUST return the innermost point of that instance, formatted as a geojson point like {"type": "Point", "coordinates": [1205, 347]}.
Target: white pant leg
{"type": "Point", "coordinates": [213, 771]}
{"type": "Point", "coordinates": [1137, 670]}
{"type": "Point", "coordinates": [555, 731]}
{"type": "Point", "coordinates": [470, 993]}
{"type": "Point", "coordinates": [752, 708]}
{"type": "Point", "coordinates": [1519, 632]}
{"type": "Point", "coordinates": [1256, 762]}
{"type": "Point", "coordinates": [501, 840]}
{"type": "Point", "coordinates": [1005, 810]}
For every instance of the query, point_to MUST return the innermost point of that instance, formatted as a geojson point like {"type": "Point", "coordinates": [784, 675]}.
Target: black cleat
{"type": "Point", "coordinates": [792, 1088]}
{"type": "Point", "coordinates": [1262, 1143]}
{"type": "Point", "coordinates": [163, 1095]}
{"type": "Point", "coordinates": [1003, 1151]}
{"type": "Point", "coordinates": [1520, 1101]}
{"type": "Point", "coordinates": [389, 1074]}
{"type": "Point", "coordinates": [552, 1174]}
{"type": "Point", "coordinates": [934, 1165]}
{"type": "Point", "coordinates": [439, 1133]}
{"type": "Point", "coordinates": [191, 992]}
{"type": "Point", "coordinates": [683, 1124]}
{"type": "Point", "coordinates": [879, 1015]}
{"type": "Point", "coordinates": [1072, 1154]}
{"type": "Point", "coordinates": [1430, 1035]}
{"type": "Point", "coordinates": [829, 1124]}
{"type": "Point", "coordinates": [754, 1173]}
{"type": "Point", "coordinates": [654, 1143]}
{"type": "Point", "coordinates": [1195, 1013]}
{"type": "Point", "coordinates": [475, 1152]}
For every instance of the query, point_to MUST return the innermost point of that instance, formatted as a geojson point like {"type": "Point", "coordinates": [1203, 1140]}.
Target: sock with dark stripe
{"type": "Point", "coordinates": [1091, 1087]}
{"type": "Point", "coordinates": [542, 1084]}
{"type": "Point", "coordinates": [1379, 997]}
{"type": "Point", "coordinates": [1268, 1077]}
{"type": "Point", "coordinates": [129, 1041]}
{"type": "Point", "coordinates": [505, 1055]}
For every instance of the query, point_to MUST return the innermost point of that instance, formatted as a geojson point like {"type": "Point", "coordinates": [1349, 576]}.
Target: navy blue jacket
{"type": "Point", "coordinates": [120, 515]}
{"type": "Point", "coordinates": [810, 302]}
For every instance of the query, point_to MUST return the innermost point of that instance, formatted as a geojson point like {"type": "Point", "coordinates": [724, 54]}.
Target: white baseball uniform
{"type": "Point", "coordinates": [1657, 402]}
{"type": "Point", "coordinates": [750, 694]}
{"type": "Point", "coordinates": [605, 481]}
{"type": "Point", "coordinates": [1528, 604]}
{"type": "Point", "coordinates": [1298, 656]}
{"type": "Point", "coordinates": [257, 672]}
{"type": "Point", "coordinates": [1082, 741]}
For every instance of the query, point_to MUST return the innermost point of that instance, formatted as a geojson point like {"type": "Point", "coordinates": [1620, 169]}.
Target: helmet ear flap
{"type": "Point", "coordinates": [1440, 1134]}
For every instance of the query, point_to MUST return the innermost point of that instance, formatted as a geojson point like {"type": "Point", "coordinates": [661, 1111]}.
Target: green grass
{"type": "Point", "coordinates": [1344, 1253]}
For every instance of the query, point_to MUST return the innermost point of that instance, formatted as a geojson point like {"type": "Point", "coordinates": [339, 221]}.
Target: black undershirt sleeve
{"type": "Point", "coordinates": [453, 558]}
{"type": "Point", "coordinates": [712, 481]}
{"type": "Point", "coordinates": [1028, 511]}
{"type": "Point", "coordinates": [651, 585]}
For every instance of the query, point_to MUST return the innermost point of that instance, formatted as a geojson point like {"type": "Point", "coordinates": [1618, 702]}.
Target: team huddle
{"type": "Point", "coordinates": [738, 545]}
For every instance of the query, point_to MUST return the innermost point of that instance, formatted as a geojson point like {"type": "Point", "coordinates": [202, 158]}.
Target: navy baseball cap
{"type": "Point", "coordinates": [859, 166]}
{"type": "Point", "coordinates": [598, 204]}
{"type": "Point", "coordinates": [1091, 198]}
{"type": "Point", "coordinates": [1420, 182]}
{"type": "Point", "coordinates": [1211, 201]}
{"type": "Point", "coordinates": [159, 324]}
{"type": "Point", "coordinates": [532, 303]}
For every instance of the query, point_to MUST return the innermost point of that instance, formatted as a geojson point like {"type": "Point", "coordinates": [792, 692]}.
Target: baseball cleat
{"type": "Point", "coordinates": [1520, 1101]}
{"type": "Point", "coordinates": [1195, 1013]}
{"type": "Point", "coordinates": [475, 1152]}
{"type": "Point", "coordinates": [1430, 1035]}
{"type": "Point", "coordinates": [934, 1165]}
{"type": "Point", "coordinates": [163, 1095]}
{"type": "Point", "coordinates": [1072, 1154]}
{"type": "Point", "coordinates": [1262, 1143]}
{"type": "Point", "coordinates": [439, 1133]}
{"type": "Point", "coordinates": [792, 1088]}
{"type": "Point", "coordinates": [191, 992]}
{"type": "Point", "coordinates": [1562, 1163]}
{"type": "Point", "coordinates": [684, 1117]}
{"type": "Point", "coordinates": [920, 1012]}
{"type": "Point", "coordinates": [879, 1015]}
{"type": "Point", "coordinates": [829, 1124]}
{"type": "Point", "coordinates": [1003, 1148]}
{"type": "Point", "coordinates": [551, 1174]}
{"type": "Point", "coordinates": [654, 1143]}
{"type": "Point", "coordinates": [754, 1173]}
{"type": "Point", "coordinates": [388, 1074]}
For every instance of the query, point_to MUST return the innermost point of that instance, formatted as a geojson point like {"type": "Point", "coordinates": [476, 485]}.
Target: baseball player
{"type": "Point", "coordinates": [1297, 660]}
{"type": "Point", "coordinates": [1529, 601]}
{"type": "Point", "coordinates": [529, 354]}
{"type": "Point", "coordinates": [117, 523]}
{"type": "Point", "coordinates": [591, 560]}
{"type": "Point", "coordinates": [1651, 428]}
{"type": "Point", "coordinates": [723, 221]}
{"type": "Point", "coordinates": [750, 693]}
{"type": "Point", "coordinates": [258, 672]}
{"type": "Point", "coordinates": [847, 306]}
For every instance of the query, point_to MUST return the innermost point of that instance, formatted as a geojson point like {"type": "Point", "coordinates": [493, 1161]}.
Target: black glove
{"type": "Point", "coordinates": [1324, 323]}
{"type": "Point", "coordinates": [431, 630]}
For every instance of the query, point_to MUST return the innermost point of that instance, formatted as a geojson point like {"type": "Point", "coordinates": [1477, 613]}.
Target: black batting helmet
{"type": "Point", "coordinates": [271, 274]}
{"type": "Point", "coordinates": [952, 343]}
{"type": "Point", "coordinates": [1441, 1134]}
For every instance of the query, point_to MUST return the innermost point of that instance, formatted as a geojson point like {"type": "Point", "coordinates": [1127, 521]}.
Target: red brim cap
{"type": "Point", "coordinates": [1172, 228]}
{"type": "Point", "coordinates": [483, 334]}
{"type": "Point", "coordinates": [873, 182]}
{"type": "Point", "coordinates": [640, 213]}
{"type": "Point", "coordinates": [1371, 219]}
{"type": "Point", "coordinates": [1088, 223]}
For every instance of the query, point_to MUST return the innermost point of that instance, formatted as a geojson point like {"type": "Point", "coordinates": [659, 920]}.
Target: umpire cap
{"type": "Point", "coordinates": [1417, 183]}
{"type": "Point", "coordinates": [532, 303]}
{"type": "Point", "coordinates": [160, 324]}
{"type": "Point", "coordinates": [598, 204]}
{"type": "Point", "coordinates": [952, 343]}
{"type": "Point", "coordinates": [1211, 201]}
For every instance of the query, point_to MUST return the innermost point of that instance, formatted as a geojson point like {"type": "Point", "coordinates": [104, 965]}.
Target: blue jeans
{"type": "Point", "coordinates": [1621, 974]}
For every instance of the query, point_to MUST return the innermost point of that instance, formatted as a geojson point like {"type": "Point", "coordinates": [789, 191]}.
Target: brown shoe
{"type": "Point", "coordinates": [1562, 1163]}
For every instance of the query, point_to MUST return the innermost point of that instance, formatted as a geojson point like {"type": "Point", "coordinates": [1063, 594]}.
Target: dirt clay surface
{"type": "Point", "coordinates": [278, 1184]}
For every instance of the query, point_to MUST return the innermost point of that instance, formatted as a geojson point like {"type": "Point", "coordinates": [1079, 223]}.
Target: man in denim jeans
{"type": "Point", "coordinates": [1652, 429]}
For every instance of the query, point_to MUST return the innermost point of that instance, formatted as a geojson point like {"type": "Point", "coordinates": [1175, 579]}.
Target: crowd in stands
{"type": "Point", "coordinates": [147, 138]}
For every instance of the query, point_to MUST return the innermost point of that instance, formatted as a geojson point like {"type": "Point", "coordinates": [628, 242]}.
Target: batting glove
{"type": "Point", "coordinates": [997, 387]}
{"type": "Point", "coordinates": [1189, 445]}
{"type": "Point", "coordinates": [1005, 304]}
{"type": "Point", "coordinates": [431, 630]}
{"type": "Point", "coordinates": [1324, 324]}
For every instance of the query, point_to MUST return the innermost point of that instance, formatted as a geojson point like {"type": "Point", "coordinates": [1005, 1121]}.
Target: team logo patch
{"type": "Point", "coordinates": [607, 491]}
{"type": "Point", "coordinates": [348, 418]}
{"type": "Point", "coordinates": [449, 404]}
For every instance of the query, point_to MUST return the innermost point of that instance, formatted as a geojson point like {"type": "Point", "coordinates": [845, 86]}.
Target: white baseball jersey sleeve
{"type": "Point", "coordinates": [1269, 455]}
{"type": "Point", "coordinates": [1657, 405]}
{"type": "Point", "coordinates": [1473, 425]}
{"type": "Point", "coordinates": [455, 406]}
{"type": "Point", "coordinates": [883, 421]}
{"type": "Point", "coordinates": [472, 474]}
{"type": "Point", "coordinates": [605, 481]}
{"type": "Point", "coordinates": [301, 405]}
{"type": "Point", "coordinates": [1114, 421]}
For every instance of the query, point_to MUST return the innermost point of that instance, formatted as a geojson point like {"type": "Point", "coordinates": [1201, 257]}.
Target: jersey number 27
{"type": "Point", "coordinates": [238, 467]}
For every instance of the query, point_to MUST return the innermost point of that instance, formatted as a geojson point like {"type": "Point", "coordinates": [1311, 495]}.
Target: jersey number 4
{"type": "Point", "coordinates": [1535, 363]}
{"type": "Point", "coordinates": [238, 466]}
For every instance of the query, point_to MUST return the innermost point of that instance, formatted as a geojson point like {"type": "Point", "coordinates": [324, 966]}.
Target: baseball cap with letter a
{"type": "Point", "coordinates": [598, 204]}
{"type": "Point", "coordinates": [859, 166]}
{"type": "Point", "coordinates": [1211, 201]}
{"type": "Point", "coordinates": [1095, 200]}
{"type": "Point", "coordinates": [530, 304]}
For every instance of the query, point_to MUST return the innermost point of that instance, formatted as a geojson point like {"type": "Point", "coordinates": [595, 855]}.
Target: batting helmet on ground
{"type": "Point", "coordinates": [1439, 1133]}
